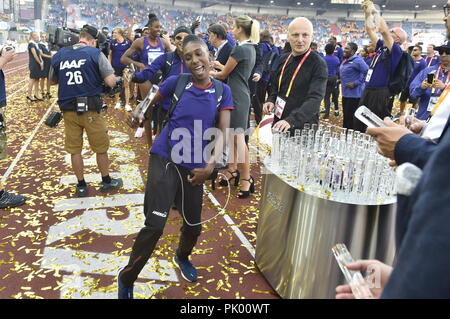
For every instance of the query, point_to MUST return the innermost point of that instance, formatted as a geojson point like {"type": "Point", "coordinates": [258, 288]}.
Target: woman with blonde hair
{"type": "Point", "coordinates": [36, 67]}
{"type": "Point", "coordinates": [46, 56]}
{"type": "Point", "coordinates": [237, 71]}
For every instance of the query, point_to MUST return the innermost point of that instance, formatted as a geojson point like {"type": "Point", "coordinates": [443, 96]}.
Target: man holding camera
{"type": "Point", "coordinates": [6, 199]}
{"type": "Point", "coordinates": [80, 71]}
{"type": "Point", "coordinates": [431, 83]}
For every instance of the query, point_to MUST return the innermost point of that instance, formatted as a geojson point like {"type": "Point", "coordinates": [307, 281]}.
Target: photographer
{"type": "Point", "coordinates": [79, 71]}
{"type": "Point", "coordinates": [6, 199]}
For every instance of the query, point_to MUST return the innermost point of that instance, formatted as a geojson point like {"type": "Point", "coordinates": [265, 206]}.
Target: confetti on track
{"type": "Point", "coordinates": [49, 252]}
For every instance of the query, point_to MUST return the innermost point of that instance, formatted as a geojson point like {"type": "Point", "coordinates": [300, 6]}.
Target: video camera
{"type": "Point", "coordinates": [6, 48]}
{"type": "Point", "coordinates": [60, 37]}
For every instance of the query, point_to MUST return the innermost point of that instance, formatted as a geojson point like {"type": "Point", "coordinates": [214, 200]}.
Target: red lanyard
{"type": "Point", "coordinates": [295, 74]}
{"type": "Point", "coordinates": [375, 60]}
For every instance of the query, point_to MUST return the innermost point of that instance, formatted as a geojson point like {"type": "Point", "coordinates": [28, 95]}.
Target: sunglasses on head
{"type": "Point", "coordinates": [179, 38]}
{"type": "Point", "coordinates": [444, 50]}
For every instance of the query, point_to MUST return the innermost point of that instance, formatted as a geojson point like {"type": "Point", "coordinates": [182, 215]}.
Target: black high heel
{"type": "Point", "coordinates": [38, 99]}
{"type": "Point", "coordinates": [234, 175]}
{"type": "Point", "coordinates": [30, 99]}
{"type": "Point", "coordinates": [213, 178]}
{"type": "Point", "coordinates": [245, 194]}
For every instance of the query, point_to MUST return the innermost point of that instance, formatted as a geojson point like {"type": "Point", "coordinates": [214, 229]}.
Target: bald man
{"type": "Point", "coordinates": [298, 87]}
{"type": "Point", "coordinates": [377, 96]}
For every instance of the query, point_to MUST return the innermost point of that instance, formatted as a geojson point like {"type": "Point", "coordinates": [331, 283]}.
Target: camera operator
{"type": "Point", "coordinates": [80, 70]}
{"type": "Point", "coordinates": [6, 199]}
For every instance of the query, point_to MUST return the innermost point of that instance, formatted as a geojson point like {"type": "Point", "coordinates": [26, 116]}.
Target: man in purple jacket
{"type": "Point", "coordinates": [353, 73]}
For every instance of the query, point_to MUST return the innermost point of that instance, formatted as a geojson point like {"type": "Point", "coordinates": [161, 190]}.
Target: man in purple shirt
{"type": "Point", "coordinates": [429, 93]}
{"type": "Point", "coordinates": [338, 52]}
{"type": "Point", "coordinates": [377, 96]}
{"type": "Point", "coordinates": [419, 65]}
{"type": "Point", "coordinates": [353, 73]}
{"type": "Point", "coordinates": [333, 70]}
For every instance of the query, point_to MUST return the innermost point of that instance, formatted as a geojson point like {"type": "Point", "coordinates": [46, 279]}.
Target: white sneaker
{"type": "Point", "coordinates": [118, 106]}
{"type": "Point", "coordinates": [128, 108]}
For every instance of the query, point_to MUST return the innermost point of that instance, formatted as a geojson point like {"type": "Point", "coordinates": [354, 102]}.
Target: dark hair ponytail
{"type": "Point", "coordinates": [151, 19]}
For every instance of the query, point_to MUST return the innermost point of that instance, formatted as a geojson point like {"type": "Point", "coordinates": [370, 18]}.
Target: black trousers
{"type": "Point", "coordinates": [258, 100]}
{"type": "Point", "coordinates": [349, 106]}
{"type": "Point", "coordinates": [164, 189]}
{"type": "Point", "coordinates": [333, 92]}
{"type": "Point", "coordinates": [379, 101]}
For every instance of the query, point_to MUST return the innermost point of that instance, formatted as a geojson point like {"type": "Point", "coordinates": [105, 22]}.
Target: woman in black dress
{"type": "Point", "coordinates": [36, 66]}
{"type": "Point", "coordinates": [46, 56]}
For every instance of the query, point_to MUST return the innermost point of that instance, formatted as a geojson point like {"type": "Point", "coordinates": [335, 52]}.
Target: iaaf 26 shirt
{"type": "Point", "coordinates": [117, 50]}
{"type": "Point", "coordinates": [384, 64]}
{"type": "Point", "coordinates": [194, 114]}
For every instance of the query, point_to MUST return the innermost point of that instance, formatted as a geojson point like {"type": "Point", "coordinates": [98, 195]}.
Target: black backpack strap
{"type": "Point", "coordinates": [180, 86]}
{"type": "Point", "coordinates": [218, 86]}
{"type": "Point", "coordinates": [170, 57]}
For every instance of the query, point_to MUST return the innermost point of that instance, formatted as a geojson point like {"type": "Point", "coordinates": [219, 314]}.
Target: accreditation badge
{"type": "Point", "coordinates": [369, 75]}
{"type": "Point", "coordinates": [279, 107]}
{"type": "Point", "coordinates": [432, 103]}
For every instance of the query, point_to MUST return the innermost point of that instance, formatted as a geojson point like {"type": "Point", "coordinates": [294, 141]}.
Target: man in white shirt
{"type": "Point", "coordinates": [218, 39]}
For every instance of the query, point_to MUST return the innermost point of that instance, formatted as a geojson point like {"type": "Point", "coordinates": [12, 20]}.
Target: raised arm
{"type": "Point", "coordinates": [126, 57]}
{"type": "Point", "coordinates": [227, 69]}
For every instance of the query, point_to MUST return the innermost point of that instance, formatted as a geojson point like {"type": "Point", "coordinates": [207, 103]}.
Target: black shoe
{"type": "Point", "coordinates": [31, 99]}
{"type": "Point", "coordinates": [114, 184]}
{"type": "Point", "coordinates": [82, 191]}
{"type": "Point", "coordinates": [245, 194]}
{"type": "Point", "coordinates": [123, 292]}
{"type": "Point", "coordinates": [234, 175]}
{"type": "Point", "coordinates": [336, 113]}
{"type": "Point", "coordinates": [11, 200]}
{"type": "Point", "coordinates": [38, 99]}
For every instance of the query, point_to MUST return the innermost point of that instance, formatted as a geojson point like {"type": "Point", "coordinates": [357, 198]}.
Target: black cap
{"type": "Point", "coordinates": [445, 45]}
{"type": "Point", "coordinates": [91, 30]}
{"type": "Point", "coordinates": [182, 29]}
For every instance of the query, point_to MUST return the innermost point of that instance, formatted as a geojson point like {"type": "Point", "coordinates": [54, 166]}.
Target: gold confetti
{"type": "Point", "coordinates": [260, 291]}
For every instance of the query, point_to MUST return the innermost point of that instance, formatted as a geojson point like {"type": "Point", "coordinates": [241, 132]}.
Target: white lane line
{"type": "Point", "coordinates": [99, 202]}
{"type": "Point", "coordinates": [236, 229]}
{"type": "Point", "coordinates": [16, 84]}
{"type": "Point", "coordinates": [17, 68]}
{"type": "Point", "coordinates": [12, 94]}
{"type": "Point", "coordinates": [25, 145]}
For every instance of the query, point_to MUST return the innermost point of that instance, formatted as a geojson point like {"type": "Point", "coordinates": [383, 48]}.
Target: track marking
{"type": "Point", "coordinates": [72, 289]}
{"type": "Point", "coordinates": [99, 202]}
{"type": "Point", "coordinates": [25, 145]}
{"type": "Point", "coordinates": [16, 84]}
{"type": "Point", "coordinates": [91, 262]}
{"type": "Point", "coordinates": [236, 229]}
{"type": "Point", "coordinates": [17, 68]}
